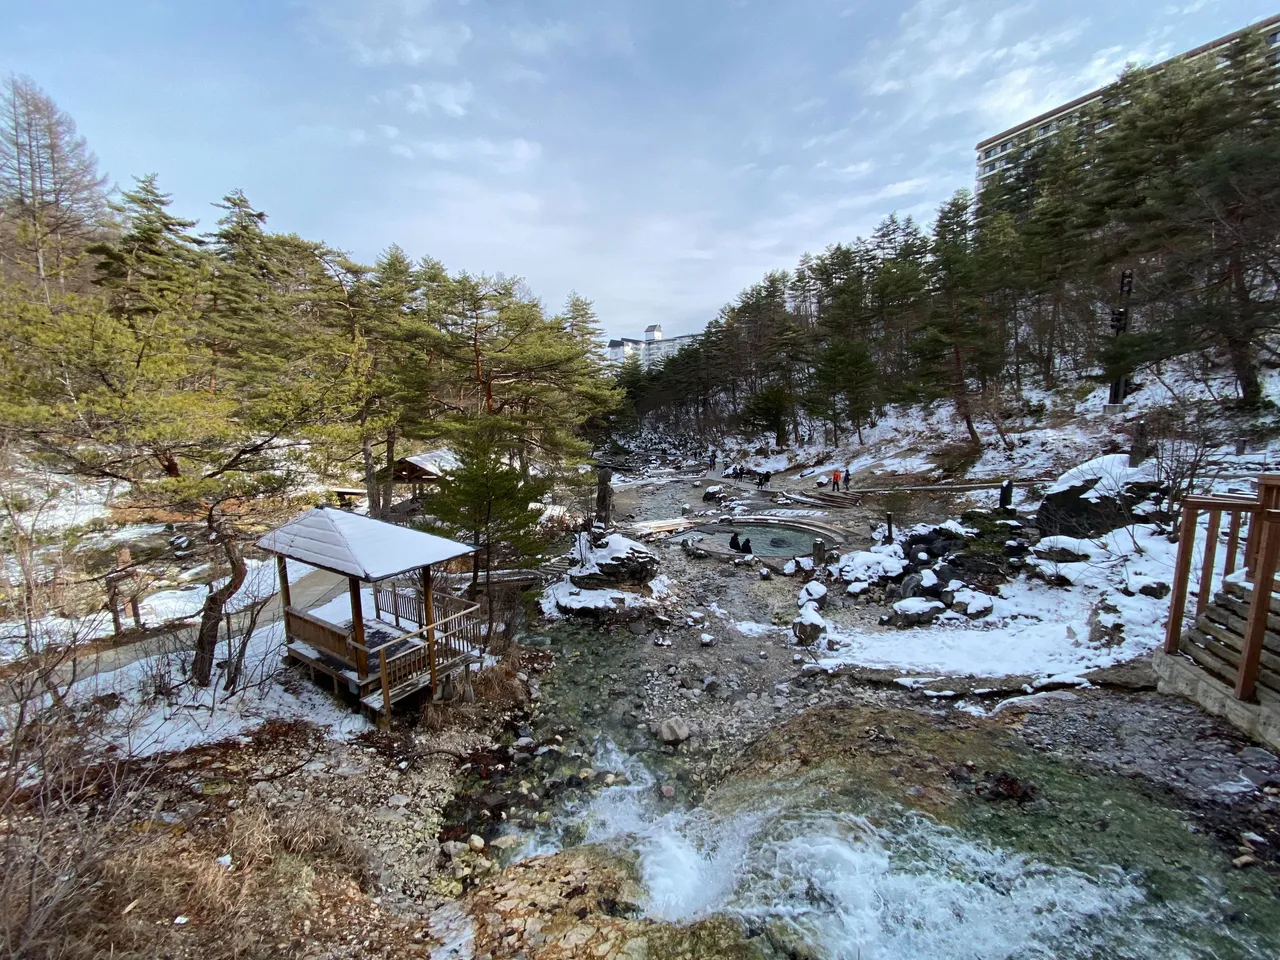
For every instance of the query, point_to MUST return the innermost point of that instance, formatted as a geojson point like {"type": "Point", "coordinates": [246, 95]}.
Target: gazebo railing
{"type": "Point", "coordinates": [324, 636]}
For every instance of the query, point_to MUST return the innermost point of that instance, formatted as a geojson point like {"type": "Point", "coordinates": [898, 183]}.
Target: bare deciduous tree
{"type": "Point", "coordinates": [52, 197]}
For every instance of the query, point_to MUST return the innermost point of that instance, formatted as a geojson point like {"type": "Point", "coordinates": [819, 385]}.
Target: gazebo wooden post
{"type": "Point", "coordinates": [429, 616]}
{"type": "Point", "coordinates": [357, 628]}
{"type": "Point", "coordinates": [282, 571]}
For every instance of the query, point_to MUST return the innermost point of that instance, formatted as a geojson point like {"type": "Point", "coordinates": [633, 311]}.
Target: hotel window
{"type": "Point", "coordinates": [991, 152]}
{"type": "Point", "coordinates": [1045, 129]}
{"type": "Point", "coordinates": [989, 168]}
{"type": "Point", "coordinates": [1273, 37]}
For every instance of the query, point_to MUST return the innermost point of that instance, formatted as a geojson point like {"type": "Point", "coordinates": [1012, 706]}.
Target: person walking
{"type": "Point", "coordinates": [711, 462]}
{"type": "Point", "coordinates": [767, 477]}
{"type": "Point", "coordinates": [846, 479]}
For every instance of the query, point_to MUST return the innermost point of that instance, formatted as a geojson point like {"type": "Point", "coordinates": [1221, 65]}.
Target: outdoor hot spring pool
{"type": "Point", "coordinates": [767, 540]}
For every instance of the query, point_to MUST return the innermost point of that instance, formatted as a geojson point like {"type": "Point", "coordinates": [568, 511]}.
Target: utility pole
{"type": "Point", "coordinates": [1121, 386]}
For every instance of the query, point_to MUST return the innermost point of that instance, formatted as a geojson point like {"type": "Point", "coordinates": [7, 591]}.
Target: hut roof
{"type": "Point", "coordinates": [358, 546]}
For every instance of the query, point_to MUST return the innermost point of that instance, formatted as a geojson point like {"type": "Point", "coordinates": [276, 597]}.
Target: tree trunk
{"type": "Point", "coordinates": [370, 478]}
{"type": "Point", "coordinates": [604, 495]}
{"type": "Point", "coordinates": [389, 486]}
{"type": "Point", "coordinates": [211, 616]}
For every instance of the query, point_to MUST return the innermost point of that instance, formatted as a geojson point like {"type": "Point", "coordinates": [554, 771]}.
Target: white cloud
{"type": "Point", "coordinates": [508, 156]}
{"type": "Point", "coordinates": [387, 32]}
{"type": "Point", "coordinates": [447, 98]}
{"type": "Point", "coordinates": [388, 131]}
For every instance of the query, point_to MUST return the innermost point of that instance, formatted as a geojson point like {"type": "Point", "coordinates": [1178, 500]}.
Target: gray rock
{"type": "Point", "coordinates": [454, 848]}
{"type": "Point", "coordinates": [1257, 757]}
{"type": "Point", "coordinates": [673, 731]}
{"type": "Point", "coordinates": [911, 586]}
{"type": "Point", "coordinates": [399, 800]}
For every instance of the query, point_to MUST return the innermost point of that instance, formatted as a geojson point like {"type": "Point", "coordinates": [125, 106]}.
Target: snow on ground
{"type": "Point", "coordinates": [1039, 630]}
{"type": "Point", "coordinates": [144, 722]}
{"type": "Point", "coordinates": [184, 603]}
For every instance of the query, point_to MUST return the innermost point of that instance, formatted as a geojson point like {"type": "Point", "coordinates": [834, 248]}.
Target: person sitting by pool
{"type": "Point", "coordinates": [734, 544]}
{"type": "Point", "coordinates": [746, 546]}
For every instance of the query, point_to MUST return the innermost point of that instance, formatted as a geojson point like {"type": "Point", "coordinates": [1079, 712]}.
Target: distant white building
{"type": "Point", "coordinates": [652, 349]}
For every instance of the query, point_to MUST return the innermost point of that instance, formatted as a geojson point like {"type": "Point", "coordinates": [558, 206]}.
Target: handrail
{"type": "Point", "coordinates": [1261, 556]}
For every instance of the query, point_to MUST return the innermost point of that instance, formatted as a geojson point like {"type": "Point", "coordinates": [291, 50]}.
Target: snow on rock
{"type": "Point", "coordinates": [813, 592]}
{"type": "Point", "coordinates": [613, 559]}
{"type": "Point", "coordinates": [1107, 476]}
{"type": "Point", "coordinates": [808, 625]}
{"type": "Point", "coordinates": [972, 603]}
{"type": "Point", "coordinates": [566, 598]}
{"type": "Point", "coordinates": [878, 563]}
{"type": "Point", "coordinates": [857, 588]}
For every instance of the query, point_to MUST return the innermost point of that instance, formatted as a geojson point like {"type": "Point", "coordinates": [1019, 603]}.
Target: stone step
{"type": "Point", "coordinates": [1224, 661]}
{"type": "Point", "coordinates": [1233, 604]}
{"type": "Point", "coordinates": [1244, 591]}
{"type": "Point", "coordinates": [1228, 622]}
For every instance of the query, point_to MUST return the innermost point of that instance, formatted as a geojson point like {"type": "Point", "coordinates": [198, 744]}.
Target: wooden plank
{"type": "Point", "coordinates": [1181, 579]}
{"type": "Point", "coordinates": [1213, 665]}
{"type": "Point", "coordinates": [385, 722]}
{"type": "Point", "coordinates": [1234, 642]}
{"type": "Point", "coordinates": [1255, 632]}
{"type": "Point", "coordinates": [1233, 542]}
{"type": "Point", "coordinates": [1210, 552]}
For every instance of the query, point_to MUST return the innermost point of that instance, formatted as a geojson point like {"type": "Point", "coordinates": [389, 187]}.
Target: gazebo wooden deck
{"type": "Point", "coordinates": [417, 640]}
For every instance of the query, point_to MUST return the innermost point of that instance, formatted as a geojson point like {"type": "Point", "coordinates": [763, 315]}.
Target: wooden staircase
{"type": "Point", "coordinates": [1216, 640]}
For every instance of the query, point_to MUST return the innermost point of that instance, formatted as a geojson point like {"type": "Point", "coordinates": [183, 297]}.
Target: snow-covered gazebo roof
{"type": "Point", "coordinates": [436, 463]}
{"type": "Point", "coordinates": [358, 546]}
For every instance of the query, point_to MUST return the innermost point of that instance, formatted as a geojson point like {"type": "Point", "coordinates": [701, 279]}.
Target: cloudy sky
{"type": "Point", "coordinates": [655, 155]}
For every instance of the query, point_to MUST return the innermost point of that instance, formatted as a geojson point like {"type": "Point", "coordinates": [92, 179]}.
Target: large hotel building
{"type": "Point", "coordinates": [1009, 148]}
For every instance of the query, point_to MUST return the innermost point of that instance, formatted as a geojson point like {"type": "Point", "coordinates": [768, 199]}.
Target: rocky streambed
{"type": "Point", "coordinates": [707, 796]}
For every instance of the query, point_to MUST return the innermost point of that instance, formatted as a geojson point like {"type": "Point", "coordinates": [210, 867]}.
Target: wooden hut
{"type": "Point", "coordinates": [417, 639]}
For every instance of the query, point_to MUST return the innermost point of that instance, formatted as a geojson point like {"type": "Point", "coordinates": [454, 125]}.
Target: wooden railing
{"type": "Point", "coordinates": [400, 601]}
{"type": "Point", "coordinates": [454, 633]}
{"type": "Point", "coordinates": [1258, 521]}
{"type": "Point", "coordinates": [300, 625]}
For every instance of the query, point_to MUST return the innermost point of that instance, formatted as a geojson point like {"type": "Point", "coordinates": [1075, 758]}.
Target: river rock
{"type": "Point", "coordinates": [911, 586]}
{"type": "Point", "coordinates": [808, 626]}
{"type": "Point", "coordinates": [673, 731]}
{"type": "Point", "coordinates": [813, 592]}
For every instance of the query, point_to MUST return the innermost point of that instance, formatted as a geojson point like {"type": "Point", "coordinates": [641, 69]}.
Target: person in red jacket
{"type": "Point", "coordinates": [835, 480]}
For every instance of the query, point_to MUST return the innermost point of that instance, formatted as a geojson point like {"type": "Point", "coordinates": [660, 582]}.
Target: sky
{"type": "Point", "coordinates": [656, 156]}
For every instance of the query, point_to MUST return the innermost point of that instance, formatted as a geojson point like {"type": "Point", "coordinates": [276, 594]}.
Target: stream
{"type": "Point", "coordinates": [864, 827]}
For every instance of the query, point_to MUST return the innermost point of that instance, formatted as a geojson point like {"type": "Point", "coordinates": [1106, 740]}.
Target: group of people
{"type": "Point", "coordinates": [836, 477]}
{"type": "Point", "coordinates": [741, 546]}
{"type": "Point", "coordinates": [739, 472]}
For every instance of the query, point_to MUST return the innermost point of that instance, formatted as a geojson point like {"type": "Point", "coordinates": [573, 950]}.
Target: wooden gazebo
{"type": "Point", "coordinates": [416, 640]}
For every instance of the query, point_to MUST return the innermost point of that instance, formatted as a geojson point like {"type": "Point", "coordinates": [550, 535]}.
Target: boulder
{"type": "Point", "coordinates": [813, 592]}
{"type": "Point", "coordinates": [605, 561]}
{"type": "Point", "coordinates": [673, 731]}
{"type": "Point", "coordinates": [808, 626]}
{"type": "Point", "coordinates": [912, 586]}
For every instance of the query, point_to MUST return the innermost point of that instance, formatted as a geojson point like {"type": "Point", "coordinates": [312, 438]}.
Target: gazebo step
{"type": "Point", "coordinates": [374, 701]}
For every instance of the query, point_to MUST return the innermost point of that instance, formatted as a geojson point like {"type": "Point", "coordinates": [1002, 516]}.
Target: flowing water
{"type": "Point", "coordinates": [839, 857]}
{"type": "Point", "coordinates": [843, 878]}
